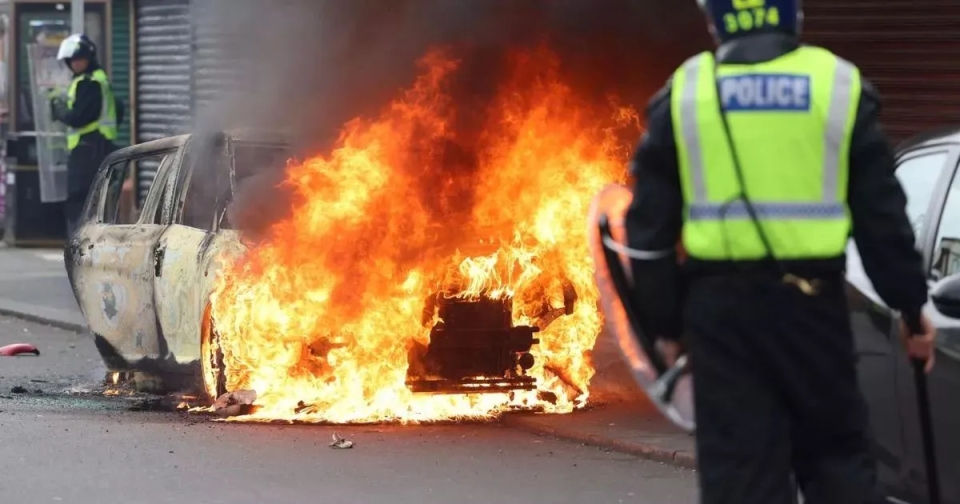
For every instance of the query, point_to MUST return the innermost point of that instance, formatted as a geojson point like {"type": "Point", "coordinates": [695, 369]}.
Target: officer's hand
{"type": "Point", "coordinates": [920, 346]}
{"type": "Point", "coordinates": [57, 105]}
{"type": "Point", "coordinates": [670, 350]}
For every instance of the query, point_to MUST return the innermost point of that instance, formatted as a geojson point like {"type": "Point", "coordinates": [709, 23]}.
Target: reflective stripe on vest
{"type": "Point", "coordinates": [791, 120]}
{"type": "Point", "coordinates": [107, 122]}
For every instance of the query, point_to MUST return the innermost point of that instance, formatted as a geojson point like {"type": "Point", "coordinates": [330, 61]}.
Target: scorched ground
{"type": "Point", "coordinates": [440, 206]}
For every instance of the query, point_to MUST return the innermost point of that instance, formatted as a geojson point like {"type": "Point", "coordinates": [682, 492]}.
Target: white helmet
{"type": "Point", "coordinates": [76, 46]}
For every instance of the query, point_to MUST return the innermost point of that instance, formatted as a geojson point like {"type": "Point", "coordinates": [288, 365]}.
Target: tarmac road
{"type": "Point", "coordinates": [64, 441]}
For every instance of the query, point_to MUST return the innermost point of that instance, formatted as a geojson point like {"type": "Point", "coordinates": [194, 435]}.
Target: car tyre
{"type": "Point", "coordinates": [211, 358]}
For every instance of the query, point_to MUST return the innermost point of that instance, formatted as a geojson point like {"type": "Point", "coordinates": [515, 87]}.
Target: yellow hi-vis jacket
{"type": "Point", "coordinates": [107, 122]}
{"type": "Point", "coordinates": [791, 121]}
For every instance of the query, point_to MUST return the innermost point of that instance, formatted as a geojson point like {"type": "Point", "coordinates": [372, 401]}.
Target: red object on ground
{"type": "Point", "coordinates": [17, 349]}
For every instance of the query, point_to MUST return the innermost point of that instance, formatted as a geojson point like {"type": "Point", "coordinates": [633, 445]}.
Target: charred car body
{"type": "Point", "coordinates": [144, 279]}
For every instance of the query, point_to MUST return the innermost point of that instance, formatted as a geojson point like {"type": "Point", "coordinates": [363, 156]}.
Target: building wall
{"type": "Point", "coordinates": [909, 49]}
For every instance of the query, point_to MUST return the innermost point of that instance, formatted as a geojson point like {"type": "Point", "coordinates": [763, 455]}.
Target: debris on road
{"type": "Point", "coordinates": [18, 390]}
{"type": "Point", "coordinates": [150, 404]}
{"type": "Point", "coordinates": [340, 443]}
{"type": "Point", "coordinates": [234, 404]}
{"type": "Point", "coordinates": [17, 349]}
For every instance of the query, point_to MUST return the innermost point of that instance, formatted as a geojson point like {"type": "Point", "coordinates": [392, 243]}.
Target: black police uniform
{"type": "Point", "coordinates": [774, 369]}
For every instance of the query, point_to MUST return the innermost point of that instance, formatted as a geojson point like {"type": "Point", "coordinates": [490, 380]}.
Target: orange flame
{"type": "Point", "coordinates": [319, 319]}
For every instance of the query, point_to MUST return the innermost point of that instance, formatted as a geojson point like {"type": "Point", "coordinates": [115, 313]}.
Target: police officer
{"type": "Point", "coordinates": [761, 159]}
{"type": "Point", "coordinates": [90, 112]}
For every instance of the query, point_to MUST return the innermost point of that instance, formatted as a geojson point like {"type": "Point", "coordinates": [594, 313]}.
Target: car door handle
{"type": "Point", "coordinates": [76, 249]}
{"type": "Point", "coordinates": [158, 258]}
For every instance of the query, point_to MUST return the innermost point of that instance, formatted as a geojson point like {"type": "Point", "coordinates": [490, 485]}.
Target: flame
{"type": "Point", "coordinates": [319, 319]}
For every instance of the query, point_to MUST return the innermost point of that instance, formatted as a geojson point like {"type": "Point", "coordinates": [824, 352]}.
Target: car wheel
{"type": "Point", "coordinates": [211, 358]}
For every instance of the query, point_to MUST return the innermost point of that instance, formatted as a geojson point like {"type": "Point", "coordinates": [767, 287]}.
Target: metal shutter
{"type": "Point", "coordinates": [163, 76]}
{"type": "Point", "coordinates": [909, 49]}
{"type": "Point", "coordinates": [120, 62]}
{"type": "Point", "coordinates": [216, 68]}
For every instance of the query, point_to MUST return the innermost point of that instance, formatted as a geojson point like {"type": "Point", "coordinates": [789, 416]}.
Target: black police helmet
{"type": "Point", "coordinates": [730, 19]}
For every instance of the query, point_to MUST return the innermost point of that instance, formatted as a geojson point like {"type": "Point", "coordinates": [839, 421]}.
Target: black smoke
{"type": "Point", "coordinates": [309, 65]}
{"type": "Point", "coordinates": [306, 67]}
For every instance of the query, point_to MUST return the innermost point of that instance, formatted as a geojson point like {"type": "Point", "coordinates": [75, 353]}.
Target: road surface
{"type": "Point", "coordinates": [64, 441]}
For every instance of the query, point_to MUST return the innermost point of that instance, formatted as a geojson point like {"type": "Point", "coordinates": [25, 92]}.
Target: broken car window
{"type": "Point", "coordinates": [207, 168]}
{"type": "Point", "coordinates": [258, 199]}
{"type": "Point", "coordinates": [120, 198]}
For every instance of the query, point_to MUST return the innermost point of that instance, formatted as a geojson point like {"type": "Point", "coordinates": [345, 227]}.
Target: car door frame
{"type": "Point", "coordinates": [180, 282]}
{"type": "Point", "coordinates": [938, 198]}
{"type": "Point", "coordinates": [92, 245]}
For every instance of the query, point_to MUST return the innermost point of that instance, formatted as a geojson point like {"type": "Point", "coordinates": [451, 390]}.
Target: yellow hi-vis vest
{"type": "Point", "coordinates": [791, 120]}
{"type": "Point", "coordinates": [107, 123]}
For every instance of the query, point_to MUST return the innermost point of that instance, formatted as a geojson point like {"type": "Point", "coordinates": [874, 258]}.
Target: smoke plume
{"type": "Point", "coordinates": [307, 66]}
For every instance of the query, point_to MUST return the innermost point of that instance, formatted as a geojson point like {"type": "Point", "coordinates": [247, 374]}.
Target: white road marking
{"type": "Point", "coordinates": [51, 256]}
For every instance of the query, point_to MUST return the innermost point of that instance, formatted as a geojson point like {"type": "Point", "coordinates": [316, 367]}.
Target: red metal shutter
{"type": "Point", "coordinates": [909, 49]}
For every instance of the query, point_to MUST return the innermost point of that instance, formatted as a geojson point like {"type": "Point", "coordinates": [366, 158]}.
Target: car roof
{"type": "Point", "coordinates": [176, 141]}
{"type": "Point", "coordinates": [258, 136]}
{"type": "Point", "coordinates": [940, 136]}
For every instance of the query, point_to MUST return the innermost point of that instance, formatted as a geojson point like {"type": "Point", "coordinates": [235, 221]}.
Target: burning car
{"type": "Point", "coordinates": [145, 282]}
{"type": "Point", "coordinates": [421, 272]}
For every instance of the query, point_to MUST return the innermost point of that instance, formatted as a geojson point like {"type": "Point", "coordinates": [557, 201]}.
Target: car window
{"type": "Point", "coordinates": [946, 252]}
{"type": "Point", "coordinates": [253, 159]}
{"type": "Point", "coordinates": [91, 210]}
{"type": "Point", "coordinates": [258, 198]}
{"type": "Point", "coordinates": [919, 175]}
{"type": "Point", "coordinates": [203, 170]}
{"type": "Point", "coordinates": [118, 192]}
{"type": "Point", "coordinates": [164, 173]}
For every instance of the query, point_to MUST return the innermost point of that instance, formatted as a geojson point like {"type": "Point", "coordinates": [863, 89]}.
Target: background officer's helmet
{"type": "Point", "coordinates": [730, 19]}
{"type": "Point", "coordinates": [77, 46]}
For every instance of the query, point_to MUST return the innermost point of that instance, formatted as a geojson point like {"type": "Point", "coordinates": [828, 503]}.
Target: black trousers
{"type": "Point", "coordinates": [73, 211]}
{"type": "Point", "coordinates": [776, 394]}
{"type": "Point", "coordinates": [82, 165]}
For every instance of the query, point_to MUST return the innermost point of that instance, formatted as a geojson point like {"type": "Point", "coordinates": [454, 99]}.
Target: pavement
{"type": "Point", "coordinates": [627, 428]}
{"type": "Point", "coordinates": [34, 287]}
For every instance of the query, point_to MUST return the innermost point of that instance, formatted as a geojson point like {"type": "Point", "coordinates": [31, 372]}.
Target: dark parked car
{"type": "Point", "coordinates": [927, 169]}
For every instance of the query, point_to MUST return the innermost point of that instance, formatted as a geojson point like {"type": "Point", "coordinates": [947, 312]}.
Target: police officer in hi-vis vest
{"type": "Point", "coordinates": [762, 159]}
{"type": "Point", "coordinates": [90, 112]}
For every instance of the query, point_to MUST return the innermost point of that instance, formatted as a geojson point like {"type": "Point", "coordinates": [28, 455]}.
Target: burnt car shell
{"type": "Point", "coordinates": [143, 282]}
